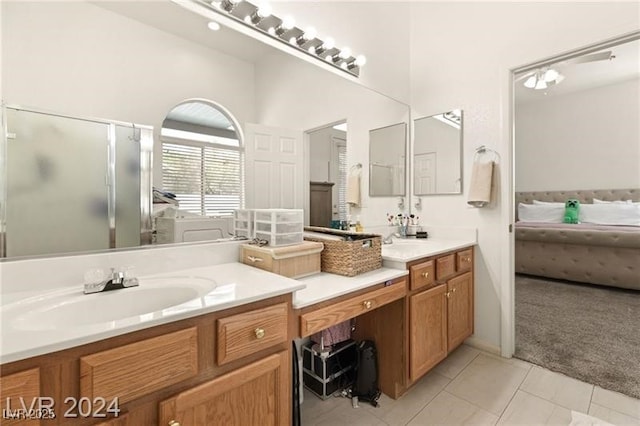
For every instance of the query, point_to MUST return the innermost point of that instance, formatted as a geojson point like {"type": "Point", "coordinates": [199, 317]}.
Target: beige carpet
{"type": "Point", "coordinates": [591, 333]}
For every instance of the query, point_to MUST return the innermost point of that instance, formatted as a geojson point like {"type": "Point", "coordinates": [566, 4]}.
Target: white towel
{"type": "Point", "coordinates": [353, 189]}
{"type": "Point", "coordinates": [481, 179]}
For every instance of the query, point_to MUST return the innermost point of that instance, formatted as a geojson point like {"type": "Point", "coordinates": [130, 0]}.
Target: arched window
{"type": "Point", "coordinates": [202, 158]}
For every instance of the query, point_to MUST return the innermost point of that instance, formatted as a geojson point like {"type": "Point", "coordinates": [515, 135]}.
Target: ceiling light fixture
{"type": "Point", "coordinates": [543, 78]}
{"type": "Point", "coordinates": [213, 26]}
{"type": "Point", "coordinates": [260, 18]}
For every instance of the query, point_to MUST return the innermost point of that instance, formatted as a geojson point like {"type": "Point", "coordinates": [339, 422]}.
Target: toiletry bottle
{"type": "Point", "coordinates": [359, 225]}
{"type": "Point", "coordinates": [351, 223]}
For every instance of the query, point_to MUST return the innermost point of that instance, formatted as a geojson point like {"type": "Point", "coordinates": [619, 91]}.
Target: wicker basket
{"type": "Point", "coordinates": [361, 254]}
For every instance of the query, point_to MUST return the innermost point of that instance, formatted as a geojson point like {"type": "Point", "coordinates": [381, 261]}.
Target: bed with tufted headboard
{"type": "Point", "coordinates": [603, 254]}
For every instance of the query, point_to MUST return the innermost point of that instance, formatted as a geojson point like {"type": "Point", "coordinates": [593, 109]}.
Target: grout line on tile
{"type": "Point", "coordinates": [465, 367]}
{"type": "Point", "coordinates": [593, 390]}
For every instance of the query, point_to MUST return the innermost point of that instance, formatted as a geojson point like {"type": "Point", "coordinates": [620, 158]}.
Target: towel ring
{"type": "Point", "coordinates": [355, 169]}
{"type": "Point", "coordinates": [483, 150]}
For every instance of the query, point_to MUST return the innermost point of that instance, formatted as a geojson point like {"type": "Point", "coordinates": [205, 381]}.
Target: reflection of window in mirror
{"type": "Point", "coordinates": [202, 157]}
{"type": "Point", "coordinates": [387, 159]}
{"type": "Point", "coordinates": [437, 154]}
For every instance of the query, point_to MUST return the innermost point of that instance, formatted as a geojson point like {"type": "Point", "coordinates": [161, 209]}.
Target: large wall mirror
{"type": "Point", "coordinates": [437, 154]}
{"type": "Point", "coordinates": [68, 58]}
{"type": "Point", "coordinates": [387, 159]}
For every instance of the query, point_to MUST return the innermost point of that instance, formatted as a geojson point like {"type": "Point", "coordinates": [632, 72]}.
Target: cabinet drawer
{"type": "Point", "coordinates": [422, 275]}
{"type": "Point", "coordinates": [445, 266]}
{"type": "Point", "coordinates": [25, 385]}
{"type": "Point", "coordinates": [464, 260]}
{"type": "Point", "coordinates": [131, 371]}
{"type": "Point", "coordinates": [256, 258]}
{"type": "Point", "coordinates": [243, 334]}
{"type": "Point", "coordinates": [322, 318]}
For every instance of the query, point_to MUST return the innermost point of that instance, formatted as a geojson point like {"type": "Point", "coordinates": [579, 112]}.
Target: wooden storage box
{"type": "Point", "coordinates": [347, 253]}
{"type": "Point", "coordinates": [294, 261]}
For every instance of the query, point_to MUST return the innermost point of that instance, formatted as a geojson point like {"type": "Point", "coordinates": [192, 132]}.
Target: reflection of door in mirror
{"type": "Point", "coordinates": [274, 163]}
{"type": "Point", "coordinates": [387, 147]}
{"type": "Point", "coordinates": [328, 174]}
{"type": "Point", "coordinates": [437, 161]}
{"type": "Point", "coordinates": [425, 172]}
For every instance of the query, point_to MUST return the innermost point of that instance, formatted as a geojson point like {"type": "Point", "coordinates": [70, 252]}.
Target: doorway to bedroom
{"type": "Point", "coordinates": [577, 285]}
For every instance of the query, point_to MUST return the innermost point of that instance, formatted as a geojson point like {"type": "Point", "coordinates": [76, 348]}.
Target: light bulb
{"type": "Point", "coordinates": [550, 75]}
{"type": "Point", "coordinates": [293, 40]}
{"type": "Point", "coordinates": [288, 22]}
{"type": "Point", "coordinates": [328, 43]}
{"type": "Point", "coordinates": [213, 26]}
{"type": "Point", "coordinates": [360, 60]}
{"type": "Point", "coordinates": [264, 10]}
{"type": "Point", "coordinates": [271, 31]}
{"type": "Point", "coordinates": [344, 65]}
{"type": "Point", "coordinates": [311, 49]}
{"type": "Point", "coordinates": [531, 82]}
{"type": "Point", "coordinates": [247, 19]}
{"type": "Point", "coordinates": [541, 84]}
{"type": "Point", "coordinates": [310, 33]}
{"type": "Point", "coordinates": [345, 53]}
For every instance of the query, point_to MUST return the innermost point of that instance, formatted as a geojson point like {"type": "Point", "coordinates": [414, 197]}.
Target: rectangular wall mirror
{"type": "Point", "coordinates": [437, 154]}
{"type": "Point", "coordinates": [387, 159]}
{"type": "Point", "coordinates": [240, 74]}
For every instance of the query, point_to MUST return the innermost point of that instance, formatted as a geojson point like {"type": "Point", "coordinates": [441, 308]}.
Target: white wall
{"type": "Point", "coordinates": [572, 141]}
{"type": "Point", "coordinates": [461, 54]}
{"type": "Point", "coordinates": [377, 29]}
{"type": "Point", "coordinates": [79, 59]}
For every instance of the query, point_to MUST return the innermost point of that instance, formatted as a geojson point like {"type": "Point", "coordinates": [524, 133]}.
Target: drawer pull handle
{"type": "Point", "coordinates": [466, 259]}
{"type": "Point", "coordinates": [260, 333]}
{"type": "Point", "coordinates": [448, 294]}
{"type": "Point", "coordinates": [173, 423]}
{"type": "Point", "coordinates": [367, 304]}
{"type": "Point", "coordinates": [425, 275]}
{"type": "Point", "coordinates": [254, 259]}
{"type": "Point", "coordinates": [453, 290]}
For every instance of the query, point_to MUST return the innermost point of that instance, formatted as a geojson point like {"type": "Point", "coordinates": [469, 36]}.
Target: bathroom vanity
{"type": "Point", "coordinates": [229, 354]}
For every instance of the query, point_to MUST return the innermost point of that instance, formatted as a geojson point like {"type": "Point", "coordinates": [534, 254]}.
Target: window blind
{"type": "Point", "coordinates": [206, 178]}
{"type": "Point", "coordinates": [342, 181]}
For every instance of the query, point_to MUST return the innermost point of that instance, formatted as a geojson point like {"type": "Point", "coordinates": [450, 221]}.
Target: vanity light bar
{"type": "Point", "coordinates": [305, 41]}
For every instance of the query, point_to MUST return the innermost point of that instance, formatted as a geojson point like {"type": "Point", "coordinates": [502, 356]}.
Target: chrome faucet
{"type": "Point", "coordinates": [116, 281]}
{"type": "Point", "coordinates": [389, 238]}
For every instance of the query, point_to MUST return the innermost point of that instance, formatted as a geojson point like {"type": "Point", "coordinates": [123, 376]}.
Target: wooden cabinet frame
{"type": "Point", "coordinates": [60, 372]}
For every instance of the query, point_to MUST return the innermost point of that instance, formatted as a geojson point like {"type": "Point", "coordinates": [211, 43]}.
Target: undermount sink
{"type": "Point", "coordinates": [74, 309]}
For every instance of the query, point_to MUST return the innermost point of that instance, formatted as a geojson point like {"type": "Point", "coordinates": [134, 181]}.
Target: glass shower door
{"type": "Point", "coordinates": [57, 182]}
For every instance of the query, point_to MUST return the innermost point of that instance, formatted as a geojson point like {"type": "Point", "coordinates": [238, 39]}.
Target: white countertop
{"type": "Point", "coordinates": [403, 251]}
{"type": "Point", "coordinates": [237, 284]}
{"type": "Point", "coordinates": [325, 286]}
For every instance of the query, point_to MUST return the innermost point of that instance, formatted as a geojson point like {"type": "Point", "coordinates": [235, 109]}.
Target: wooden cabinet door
{"type": "Point", "coordinates": [320, 204]}
{"type": "Point", "coordinates": [460, 309]}
{"type": "Point", "coordinates": [257, 394]}
{"type": "Point", "coordinates": [428, 330]}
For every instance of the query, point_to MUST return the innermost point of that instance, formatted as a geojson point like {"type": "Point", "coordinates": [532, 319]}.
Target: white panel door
{"type": "Point", "coordinates": [273, 167]}
{"type": "Point", "coordinates": [425, 174]}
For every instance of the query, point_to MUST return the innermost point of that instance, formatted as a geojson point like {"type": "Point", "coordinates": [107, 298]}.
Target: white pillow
{"type": "Point", "coordinates": [556, 203]}
{"type": "Point", "coordinates": [551, 213]}
{"type": "Point", "coordinates": [596, 201]}
{"type": "Point", "coordinates": [611, 214]}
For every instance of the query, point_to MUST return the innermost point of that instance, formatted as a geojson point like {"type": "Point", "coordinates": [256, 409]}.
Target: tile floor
{"type": "Point", "coordinates": [474, 387]}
